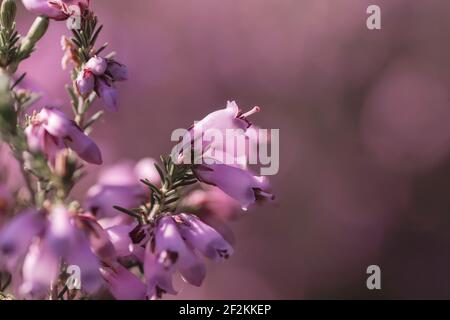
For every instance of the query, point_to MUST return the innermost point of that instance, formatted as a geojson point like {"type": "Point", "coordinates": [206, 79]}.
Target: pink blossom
{"type": "Point", "coordinates": [229, 118]}
{"type": "Point", "coordinates": [54, 9]}
{"type": "Point", "coordinates": [41, 239]}
{"type": "Point", "coordinates": [123, 284]}
{"type": "Point", "coordinates": [120, 185]}
{"type": "Point", "coordinates": [171, 246]}
{"type": "Point", "coordinates": [117, 71]}
{"type": "Point", "coordinates": [85, 82]}
{"type": "Point", "coordinates": [97, 65]}
{"type": "Point", "coordinates": [238, 183]}
{"type": "Point", "coordinates": [119, 235]}
{"type": "Point", "coordinates": [129, 173]}
{"type": "Point", "coordinates": [108, 93]}
{"type": "Point", "coordinates": [203, 237]}
{"type": "Point", "coordinates": [17, 235]}
{"type": "Point", "coordinates": [101, 199]}
{"type": "Point", "coordinates": [50, 131]}
{"type": "Point", "coordinates": [212, 201]}
{"type": "Point", "coordinates": [100, 74]}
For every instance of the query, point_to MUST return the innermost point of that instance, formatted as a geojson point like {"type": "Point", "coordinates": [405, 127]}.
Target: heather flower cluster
{"type": "Point", "coordinates": [99, 74]}
{"type": "Point", "coordinates": [141, 223]}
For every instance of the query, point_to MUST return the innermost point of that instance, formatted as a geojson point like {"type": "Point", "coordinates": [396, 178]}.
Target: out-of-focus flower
{"type": "Point", "coordinates": [50, 131]}
{"type": "Point", "coordinates": [54, 9]}
{"type": "Point", "coordinates": [119, 235]}
{"type": "Point", "coordinates": [101, 199]}
{"type": "Point", "coordinates": [211, 201]}
{"type": "Point", "coordinates": [126, 173]}
{"type": "Point", "coordinates": [42, 240]}
{"type": "Point", "coordinates": [123, 284]}
{"type": "Point", "coordinates": [99, 74]}
{"type": "Point", "coordinates": [120, 185]}
{"type": "Point", "coordinates": [171, 246]}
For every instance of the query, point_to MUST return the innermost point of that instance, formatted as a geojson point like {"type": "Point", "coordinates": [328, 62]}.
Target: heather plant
{"type": "Point", "coordinates": [141, 223]}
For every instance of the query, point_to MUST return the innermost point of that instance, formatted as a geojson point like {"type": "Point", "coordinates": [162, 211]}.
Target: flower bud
{"type": "Point", "coordinates": [97, 65]}
{"type": "Point", "coordinates": [118, 71]}
{"type": "Point", "coordinates": [85, 82]}
{"type": "Point", "coordinates": [36, 32]}
{"type": "Point", "coordinates": [38, 29]}
{"type": "Point", "coordinates": [8, 13]}
{"type": "Point", "coordinates": [108, 94]}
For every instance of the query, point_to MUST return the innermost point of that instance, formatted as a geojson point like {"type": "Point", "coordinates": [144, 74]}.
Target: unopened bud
{"type": "Point", "coordinates": [8, 13]}
{"type": "Point", "coordinates": [36, 32]}
{"type": "Point", "coordinates": [85, 82]}
{"type": "Point", "coordinates": [118, 71]}
{"type": "Point", "coordinates": [38, 29]}
{"type": "Point", "coordinates": [97, 65]}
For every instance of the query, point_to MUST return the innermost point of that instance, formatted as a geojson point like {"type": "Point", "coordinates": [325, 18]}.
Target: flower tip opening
{"type": "Point", "coordinates": [254, 110]}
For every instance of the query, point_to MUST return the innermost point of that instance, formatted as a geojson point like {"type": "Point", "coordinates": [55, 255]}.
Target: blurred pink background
{"type": "Point", "coordinates": [364, 127]}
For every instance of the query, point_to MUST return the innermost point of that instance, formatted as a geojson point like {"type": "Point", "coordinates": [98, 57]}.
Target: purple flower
{"type": "Point", "coordinates": [171, 245]}
{"type": "Point", "coordinates": [120, 185]}
{"type": "Point", "coordinates": [117, 71]}
{"type": "Point", "coordinates": [108, 93]}
{"type": "Point", "coordinates": [211, 201]}
{"type": "Point", "coordinates": [203, 237]}
{"type": "Point", "coordinates": [157, 279]}
{"type": "Point", "coordinates": [119, 235]}
{"type": "Point", "coordinates": [234, 179]}
{"type": "Point", "coordinates": [42, 240]}
{"type": "Point", "coordinates": [101, 199]}
{"type": "Point", "coordinates": [54, 9]}
{"type": "Point", "coordinates": [17, 235]}
{"type": "Point", "coordinates": [129, 173]}
{"type": "Point", "coordinates": [231, 117]}
{"type": "Point", "coordinates": [99, 74]}
{"type": "Point", "coordinates": [85, 82]}
{"type": "Point", "coordinates": [123, 284]}
{"type": "Point", "coordinates": [50, 131]}
{"type": "Point", "coordinates": [221, 121]}
{"type": "Point", "coordinates": [238, 183]}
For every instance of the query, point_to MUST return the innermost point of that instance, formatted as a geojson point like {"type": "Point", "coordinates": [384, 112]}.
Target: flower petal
{"type": "Point", "coordinates": [192, 268]}
{"type": "Point", "coordinates": [16, 237]}
{"type": "Point", "coordinates": [84, 146]}
{"type": "Point", "coordinates": [238, 183]}
{"type": "Point", "coordinates": [204, 238]}
{"type": "Point", "coordinates": [40, 268]}
{"type": "Point", "coordinates": [169, 245]}
{"type": "Point", "coordinates": [123, 284]}
{"type": "Point", "coordinates": [108, 94]}
{"type": "Point", "coordinates": [120, 238]}
{"type": "Point", "coordinates": [157, 278]}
